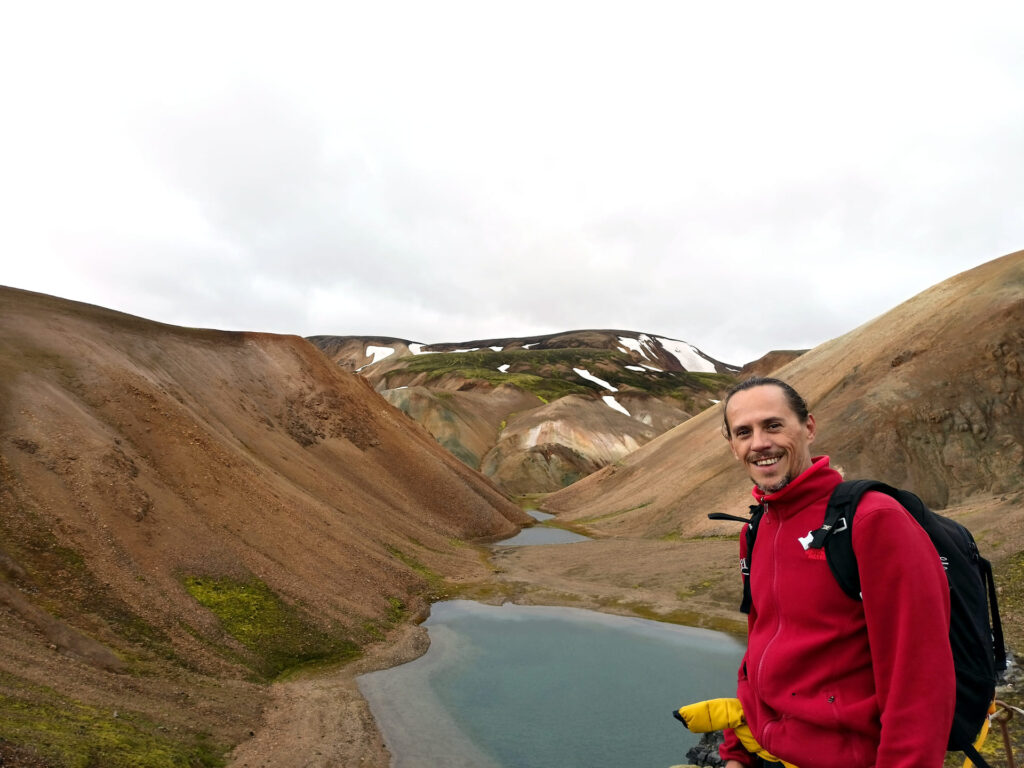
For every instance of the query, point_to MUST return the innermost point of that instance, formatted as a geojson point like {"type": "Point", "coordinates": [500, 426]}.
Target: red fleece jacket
{"type": "Point", "coordinates": [831, 681]}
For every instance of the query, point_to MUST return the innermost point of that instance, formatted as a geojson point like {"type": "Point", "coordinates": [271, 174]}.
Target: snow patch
{"type": "Point", "coordinates": [474, 349]}
{"type": "Point", "coordinates": [641, 369]}
{"type": "Point", "coordinates": [531, 346]}
{"type": "Point", "coordinates": [688, 356]}
{"type": "Point", "coordinates": [631, 344]}
{"type": "Point", "coordinates": [497, 349]}
{"type": "Point", "coordinates": [644, 345]}
{"type": "Point", "coordinates": [418, 349]}
{"type": "Point", "coordinates": [611, 402]}
{"type": "Point", "coordinates": [584, 373]}
{"type": "Point", "coordinates": [378, 353]}
{"type": "Point", "coordinates": [503, 368]}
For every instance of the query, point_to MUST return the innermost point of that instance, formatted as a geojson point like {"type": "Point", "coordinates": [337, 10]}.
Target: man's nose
{"type": "Point", "coordinates": [761, 440]}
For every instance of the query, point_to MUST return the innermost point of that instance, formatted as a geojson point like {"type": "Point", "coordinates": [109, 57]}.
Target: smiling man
{"type": "Point", "coordinates": [771, 432]}
{"type": "Point", "coordinates": [828, 681]}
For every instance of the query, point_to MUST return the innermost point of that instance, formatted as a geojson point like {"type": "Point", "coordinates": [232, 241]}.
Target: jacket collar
{"type": "Point", "coordinates": [809, 486]}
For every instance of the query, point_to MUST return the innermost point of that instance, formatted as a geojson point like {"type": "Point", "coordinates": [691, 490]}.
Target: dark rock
{"type": "Point", "coordinates": [705, 753]}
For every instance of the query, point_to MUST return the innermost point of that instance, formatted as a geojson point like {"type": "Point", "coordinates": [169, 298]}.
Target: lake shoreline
{"type": "Point", "coordinates": [329, 717]}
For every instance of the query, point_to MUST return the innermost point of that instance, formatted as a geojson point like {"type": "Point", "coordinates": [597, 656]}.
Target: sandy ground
{"type": "Point", "coordinates": [324, 720]}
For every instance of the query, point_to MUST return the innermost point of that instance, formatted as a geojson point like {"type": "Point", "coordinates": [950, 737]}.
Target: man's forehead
{"type": "Point", "coordinates": [765, 401]}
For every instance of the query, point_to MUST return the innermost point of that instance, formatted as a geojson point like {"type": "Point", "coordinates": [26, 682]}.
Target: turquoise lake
{"type": "Point", "coordinates": [542, 687]}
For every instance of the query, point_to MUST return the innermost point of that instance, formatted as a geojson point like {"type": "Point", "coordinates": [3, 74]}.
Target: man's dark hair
{"type": "Point", "coordinates": [796, 402]}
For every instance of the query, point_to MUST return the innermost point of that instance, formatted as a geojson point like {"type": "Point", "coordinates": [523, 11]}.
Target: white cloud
{"type": "Point", "coordinates": [742, 176]}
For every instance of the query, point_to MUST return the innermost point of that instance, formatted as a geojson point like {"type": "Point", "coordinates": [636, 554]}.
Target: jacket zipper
{"type": "Point", "coordinates": [759, 672]}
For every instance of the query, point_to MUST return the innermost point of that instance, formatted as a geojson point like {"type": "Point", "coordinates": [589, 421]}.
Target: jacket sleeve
{"type": "Point", "coordinates": [731, 748]}
{"type": "Point", "coordinates": [906, 609]}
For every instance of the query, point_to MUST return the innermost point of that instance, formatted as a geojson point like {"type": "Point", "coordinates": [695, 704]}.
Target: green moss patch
{"type": "Point", "coordinates": [396, 609]}
{"type": "Point", "coordinates": [548, 373]}
{"type": "Point", "coordinates": [278, 636]}
{"type": "Point", "coordinates": [679, 616]}
{"type": "Point", "coordinates": [68, 734]}
{"type": "Point", "coordinates": [435, 582]}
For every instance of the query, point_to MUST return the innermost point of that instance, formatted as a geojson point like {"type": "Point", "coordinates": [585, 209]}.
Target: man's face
{"type": "Point", "coordinates": [768, 437]}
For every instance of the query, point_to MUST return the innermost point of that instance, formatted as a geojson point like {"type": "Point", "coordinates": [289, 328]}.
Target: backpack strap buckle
{"type": "Point", "coordinates": [816, 539]}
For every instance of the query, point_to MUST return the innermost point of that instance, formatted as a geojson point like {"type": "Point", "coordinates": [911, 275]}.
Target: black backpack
{"type": "Point", "coordinates": [979, 655]}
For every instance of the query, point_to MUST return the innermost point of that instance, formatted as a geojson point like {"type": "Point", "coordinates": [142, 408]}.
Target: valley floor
{"type": "Point", "coordinates": [323, 721]}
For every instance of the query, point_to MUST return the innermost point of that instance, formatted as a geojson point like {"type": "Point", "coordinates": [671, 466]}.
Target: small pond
{"type": "Point", "coordinates": [537, 687]}
{"type": "Point", "coordinates": [541, 534]}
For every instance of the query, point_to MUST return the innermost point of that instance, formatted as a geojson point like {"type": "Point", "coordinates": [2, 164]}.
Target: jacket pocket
{"type": "Point", "coordinates": [804, 744]}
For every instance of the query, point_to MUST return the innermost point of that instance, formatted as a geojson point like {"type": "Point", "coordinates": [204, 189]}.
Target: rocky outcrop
{"type": "Point", "coordinates": [465, 421]}
{"type": "Point", "coordinates": [555, 445]}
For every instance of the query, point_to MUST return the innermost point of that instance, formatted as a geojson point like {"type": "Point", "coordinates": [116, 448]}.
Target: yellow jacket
{"type": "Point", "coordinates": [719, 714]}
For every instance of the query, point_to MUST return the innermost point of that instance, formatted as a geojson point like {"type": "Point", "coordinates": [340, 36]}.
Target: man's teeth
{"type": "Point", "coordinates": [767, 462]}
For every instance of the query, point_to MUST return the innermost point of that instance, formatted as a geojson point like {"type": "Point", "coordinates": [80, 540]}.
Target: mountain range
{"type": "Point", "coordinates": [203, 533]}
{"type": "Point", "coordinates": [536, 414]}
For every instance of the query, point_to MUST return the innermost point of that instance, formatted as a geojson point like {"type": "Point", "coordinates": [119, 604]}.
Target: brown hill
{"type": "Point", "coordinates": [926, 396]}
{"type": "Point", "coordinates": [185, 513]}
{"type": "Point", "coordinates": [767, 364]}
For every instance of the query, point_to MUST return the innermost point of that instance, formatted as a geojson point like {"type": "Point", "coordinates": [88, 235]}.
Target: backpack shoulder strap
{"type": "Point", "coordinates": [972, 754]}
{"type": "Point", "coordinates": [756, 511]}
{"type": "Point", "coordinates": [836, 532]}
{"type": "Point", "coordinates": [997, 624]}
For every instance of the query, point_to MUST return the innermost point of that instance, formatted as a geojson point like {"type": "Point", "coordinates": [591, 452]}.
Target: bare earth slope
{"type": "Point", "coordinates": [185, 513]}
{"type": "Point", "coordinates": [926, 396]}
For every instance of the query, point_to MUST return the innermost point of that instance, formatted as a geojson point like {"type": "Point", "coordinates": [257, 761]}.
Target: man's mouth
{"type": "Point", "coordinates": [766, 462]}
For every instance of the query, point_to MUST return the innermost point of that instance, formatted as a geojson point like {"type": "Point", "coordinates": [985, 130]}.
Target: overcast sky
{"type": "Point", "coordinates": [744, 176]}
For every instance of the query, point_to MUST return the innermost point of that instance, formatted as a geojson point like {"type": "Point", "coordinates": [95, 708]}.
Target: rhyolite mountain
{"type": "Point", "coordinates": [537, 413]}
{"type": "Point", "coordinates": [186, 514]}
{"type": "Point", "coordinates": [928, 396]}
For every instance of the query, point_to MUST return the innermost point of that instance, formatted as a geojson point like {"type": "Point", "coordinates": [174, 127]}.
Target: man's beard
{"type": "Point", "coordinates": [775, 487]}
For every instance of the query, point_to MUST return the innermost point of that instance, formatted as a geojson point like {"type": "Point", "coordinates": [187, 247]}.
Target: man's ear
{"type": "Point", "coordinates": [811, 428]}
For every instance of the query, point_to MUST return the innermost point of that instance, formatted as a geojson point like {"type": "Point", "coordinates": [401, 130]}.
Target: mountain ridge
{"type": "Point", "coordinates": [492, 402]}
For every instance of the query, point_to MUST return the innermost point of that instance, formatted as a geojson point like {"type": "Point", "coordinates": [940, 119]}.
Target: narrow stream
{"type": "Point", "coordinates": [541, 534]}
